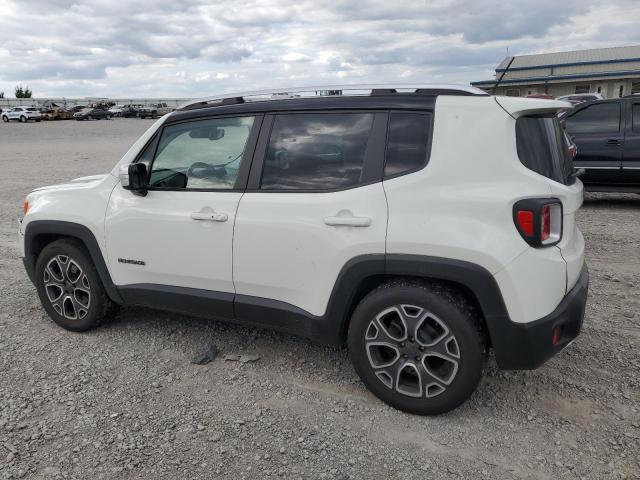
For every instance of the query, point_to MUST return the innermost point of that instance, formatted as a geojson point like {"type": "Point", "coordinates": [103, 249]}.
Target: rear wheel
{"type": "Point", "coordinates": [23, 119]}
{"type": "Point", "coordinates": [417, 347]}
{"type": "Point", "coordinates": [69, 286]}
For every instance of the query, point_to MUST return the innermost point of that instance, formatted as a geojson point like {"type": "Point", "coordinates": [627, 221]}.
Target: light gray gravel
{"type": "Point", "coordinates": [126, 402]}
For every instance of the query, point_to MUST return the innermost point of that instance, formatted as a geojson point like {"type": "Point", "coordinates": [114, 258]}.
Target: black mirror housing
{"type": "Point", "coordinates": [138, 178]}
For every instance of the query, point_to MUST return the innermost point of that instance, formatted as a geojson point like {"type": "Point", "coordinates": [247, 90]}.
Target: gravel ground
{"type": "Point", "coordinates": [126, 402]}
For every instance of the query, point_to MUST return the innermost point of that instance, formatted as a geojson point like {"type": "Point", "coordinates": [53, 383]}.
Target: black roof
{"type": "Point", "coordinates": [391, 101]}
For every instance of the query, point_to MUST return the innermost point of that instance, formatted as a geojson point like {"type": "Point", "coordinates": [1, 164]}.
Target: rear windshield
{"type": "Point", "coordinates": [542, 147]}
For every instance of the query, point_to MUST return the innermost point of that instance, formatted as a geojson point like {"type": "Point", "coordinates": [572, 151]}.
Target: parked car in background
{"type": "Point", "coordinates": [357, 219]}
{"type": "Point", "coordinates": [22, 114]}
{"type": "Point", "coordinates": [607, 136]}
{"type": "Point", "coordinates": [132, 110]}
{"type": "Point", "coordinates": [117, 110]}
{"type": "Point", "coordinates": [154, 110]}
{"type": "Point", "coordinates": [580, 98]}
{"type": "Point", "coordinates": [92, 114]}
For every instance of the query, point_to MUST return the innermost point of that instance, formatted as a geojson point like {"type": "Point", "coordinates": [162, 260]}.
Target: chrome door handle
{"type": "Point", "coordinates": [345, 221]}
{"type": "Point", "coordinates": [210, 216]}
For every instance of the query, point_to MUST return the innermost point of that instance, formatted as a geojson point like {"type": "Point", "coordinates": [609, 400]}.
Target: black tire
{"type": "Point", "coordinates": [108, 117]}
{"type": "Point", "coordinates": [89, 311]}
{"type": "Point", "coordinates": [5, 119]}
{"type": "Point", "coordinates": [23, 119]}
{"type": "Point", "coordinates": [38, 121]}
{"type": "Point", "coordinates": [437, 312]}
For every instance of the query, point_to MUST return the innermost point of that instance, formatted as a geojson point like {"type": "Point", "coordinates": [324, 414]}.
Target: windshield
{"type": "Point", "coordinates": [542, 147]}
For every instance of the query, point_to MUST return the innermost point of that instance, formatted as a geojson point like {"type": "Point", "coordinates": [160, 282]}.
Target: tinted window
{"type": "Point", "coordinates": [316, 151]}
{"type": "Point", "coordinates": [201, 154]}
{"type": "Point", "coordinates": [598, 118]}
{"type": "Point", "coordinates": [542, 147]}
{"type": "Point", "coordinates": [636, 117]}
{"type": "Point", "coordinates": [407, 142]}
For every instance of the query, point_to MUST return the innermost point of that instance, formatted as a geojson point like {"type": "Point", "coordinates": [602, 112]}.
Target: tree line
{"type": "Point", "coordinates": [20, 92]}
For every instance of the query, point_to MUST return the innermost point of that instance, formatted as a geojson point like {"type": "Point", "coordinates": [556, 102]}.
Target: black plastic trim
{"type": "Point", "coordinates": [526, 346]}
{"type": "Point", "coordinates": [74, 230]}
{"type": "Point", "coordinates": [190, 301]}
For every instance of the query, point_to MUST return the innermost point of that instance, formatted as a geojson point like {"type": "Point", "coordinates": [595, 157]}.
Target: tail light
{"type": "Point", "coordinates": [573, 151]}
{"type": "Point", "coordinates": [539, 221]}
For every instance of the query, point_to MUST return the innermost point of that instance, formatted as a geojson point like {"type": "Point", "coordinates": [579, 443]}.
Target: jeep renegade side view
{"type": "Point", "coordinates": [422, 225]}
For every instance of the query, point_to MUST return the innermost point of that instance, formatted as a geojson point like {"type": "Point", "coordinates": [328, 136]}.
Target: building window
{"type": "Point", "coordinates": [513, 92]}
{"type": "Point", "coordinates": [621, 91]}
{"type": "Point", "coordinates": [599, 89]}
{"type": "Point", "coordinates": [635, 88]}
{"type": "Point", "coordinates": [583, 88]}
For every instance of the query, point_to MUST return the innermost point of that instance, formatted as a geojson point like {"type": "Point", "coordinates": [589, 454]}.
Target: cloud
{"type": "Point", "coordinates": [196, 47]}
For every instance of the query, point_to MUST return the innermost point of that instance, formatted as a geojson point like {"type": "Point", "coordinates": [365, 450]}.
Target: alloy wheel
{"type": "Point", "coordinates": [67, 287]}
{"type": "Point", "coordinates": [412, 351]}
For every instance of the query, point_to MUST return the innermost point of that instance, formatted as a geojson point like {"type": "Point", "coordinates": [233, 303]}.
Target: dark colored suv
{"type": "Point", "coordinates": [607, 134]}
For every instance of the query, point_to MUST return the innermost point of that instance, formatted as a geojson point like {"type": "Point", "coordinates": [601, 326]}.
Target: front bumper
{"type": "Point", "coordinates": [525, 346]}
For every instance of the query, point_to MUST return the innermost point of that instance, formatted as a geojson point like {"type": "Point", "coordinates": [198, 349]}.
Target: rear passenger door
{"type": "Point", "coordinates": [315, 201]}
{"type": "Point", "coordinates": [598, 132]}
{"type": "Point", "coordinates": [631, 154]}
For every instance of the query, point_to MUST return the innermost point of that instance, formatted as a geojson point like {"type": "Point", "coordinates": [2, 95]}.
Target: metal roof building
{"type": "Point", "coordinates": [613, 72]}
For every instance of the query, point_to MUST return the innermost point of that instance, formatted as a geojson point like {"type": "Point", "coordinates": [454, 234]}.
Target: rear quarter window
{"type": "Point", "coordinates": [407, 142]}
{"type": "Point", "coordinates": [542, 147]}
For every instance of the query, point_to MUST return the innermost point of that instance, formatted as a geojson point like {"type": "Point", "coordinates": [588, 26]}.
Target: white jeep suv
{"type": "Point", "coordinates": [421, 225]}
{"type": "Point", "coordinates": [22, 114]}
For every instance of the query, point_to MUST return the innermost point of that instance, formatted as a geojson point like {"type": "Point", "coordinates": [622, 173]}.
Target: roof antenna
{"type": "Point", "coordinates": [493, 91]}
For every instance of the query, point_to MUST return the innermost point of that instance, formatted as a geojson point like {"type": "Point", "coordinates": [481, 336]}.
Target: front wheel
{"type": "Point", "coordinates": [5, 118]}
{"type": "Point", "coordinates": [69, 286]}
{"type": "Point", "coordinates": [418, 347]}
{"type": "Point", "coordinates": [23, 119]}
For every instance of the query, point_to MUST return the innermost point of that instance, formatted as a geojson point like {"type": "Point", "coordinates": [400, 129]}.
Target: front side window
{"type": "Point", "coordinates": [203, 154]}
{"type": "Point", "coordinates": [598, 118]}
{"type": "Point", "coordinates": [407, 142]}
{"type": "Point", "coordinates": [316, 151]}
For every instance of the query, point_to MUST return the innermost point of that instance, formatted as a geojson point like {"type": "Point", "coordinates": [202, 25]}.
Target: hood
{"type": "Point", "coordinates": [82, 182]}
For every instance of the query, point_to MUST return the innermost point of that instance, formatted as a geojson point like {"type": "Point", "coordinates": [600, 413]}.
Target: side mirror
{"type": "Point", "coordinates": [134, 177]}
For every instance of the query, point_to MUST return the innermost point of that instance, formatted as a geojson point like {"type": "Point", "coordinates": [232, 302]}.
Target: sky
{"type": "Point", "coordinates": [191, 48]}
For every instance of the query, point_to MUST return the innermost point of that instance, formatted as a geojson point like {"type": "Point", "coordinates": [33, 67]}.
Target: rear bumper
{"type": "Point", "coordinates": [525, 346]}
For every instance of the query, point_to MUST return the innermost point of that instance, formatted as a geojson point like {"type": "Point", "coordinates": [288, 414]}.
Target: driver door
{"type": "Point", "coordinates": [176, 242]}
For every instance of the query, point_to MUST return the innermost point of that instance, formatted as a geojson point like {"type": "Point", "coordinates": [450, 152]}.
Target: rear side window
{"type": "Point", "coordinates": [316, 151]}
{"type": "Point", "coordinates": [407, 142]}
{"type": "Point", "coordinates": [542, 147]}
{"type": "Point", "coordinates": [598, 118]}
{"type": "Point", "coordinates": [636, 117]}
